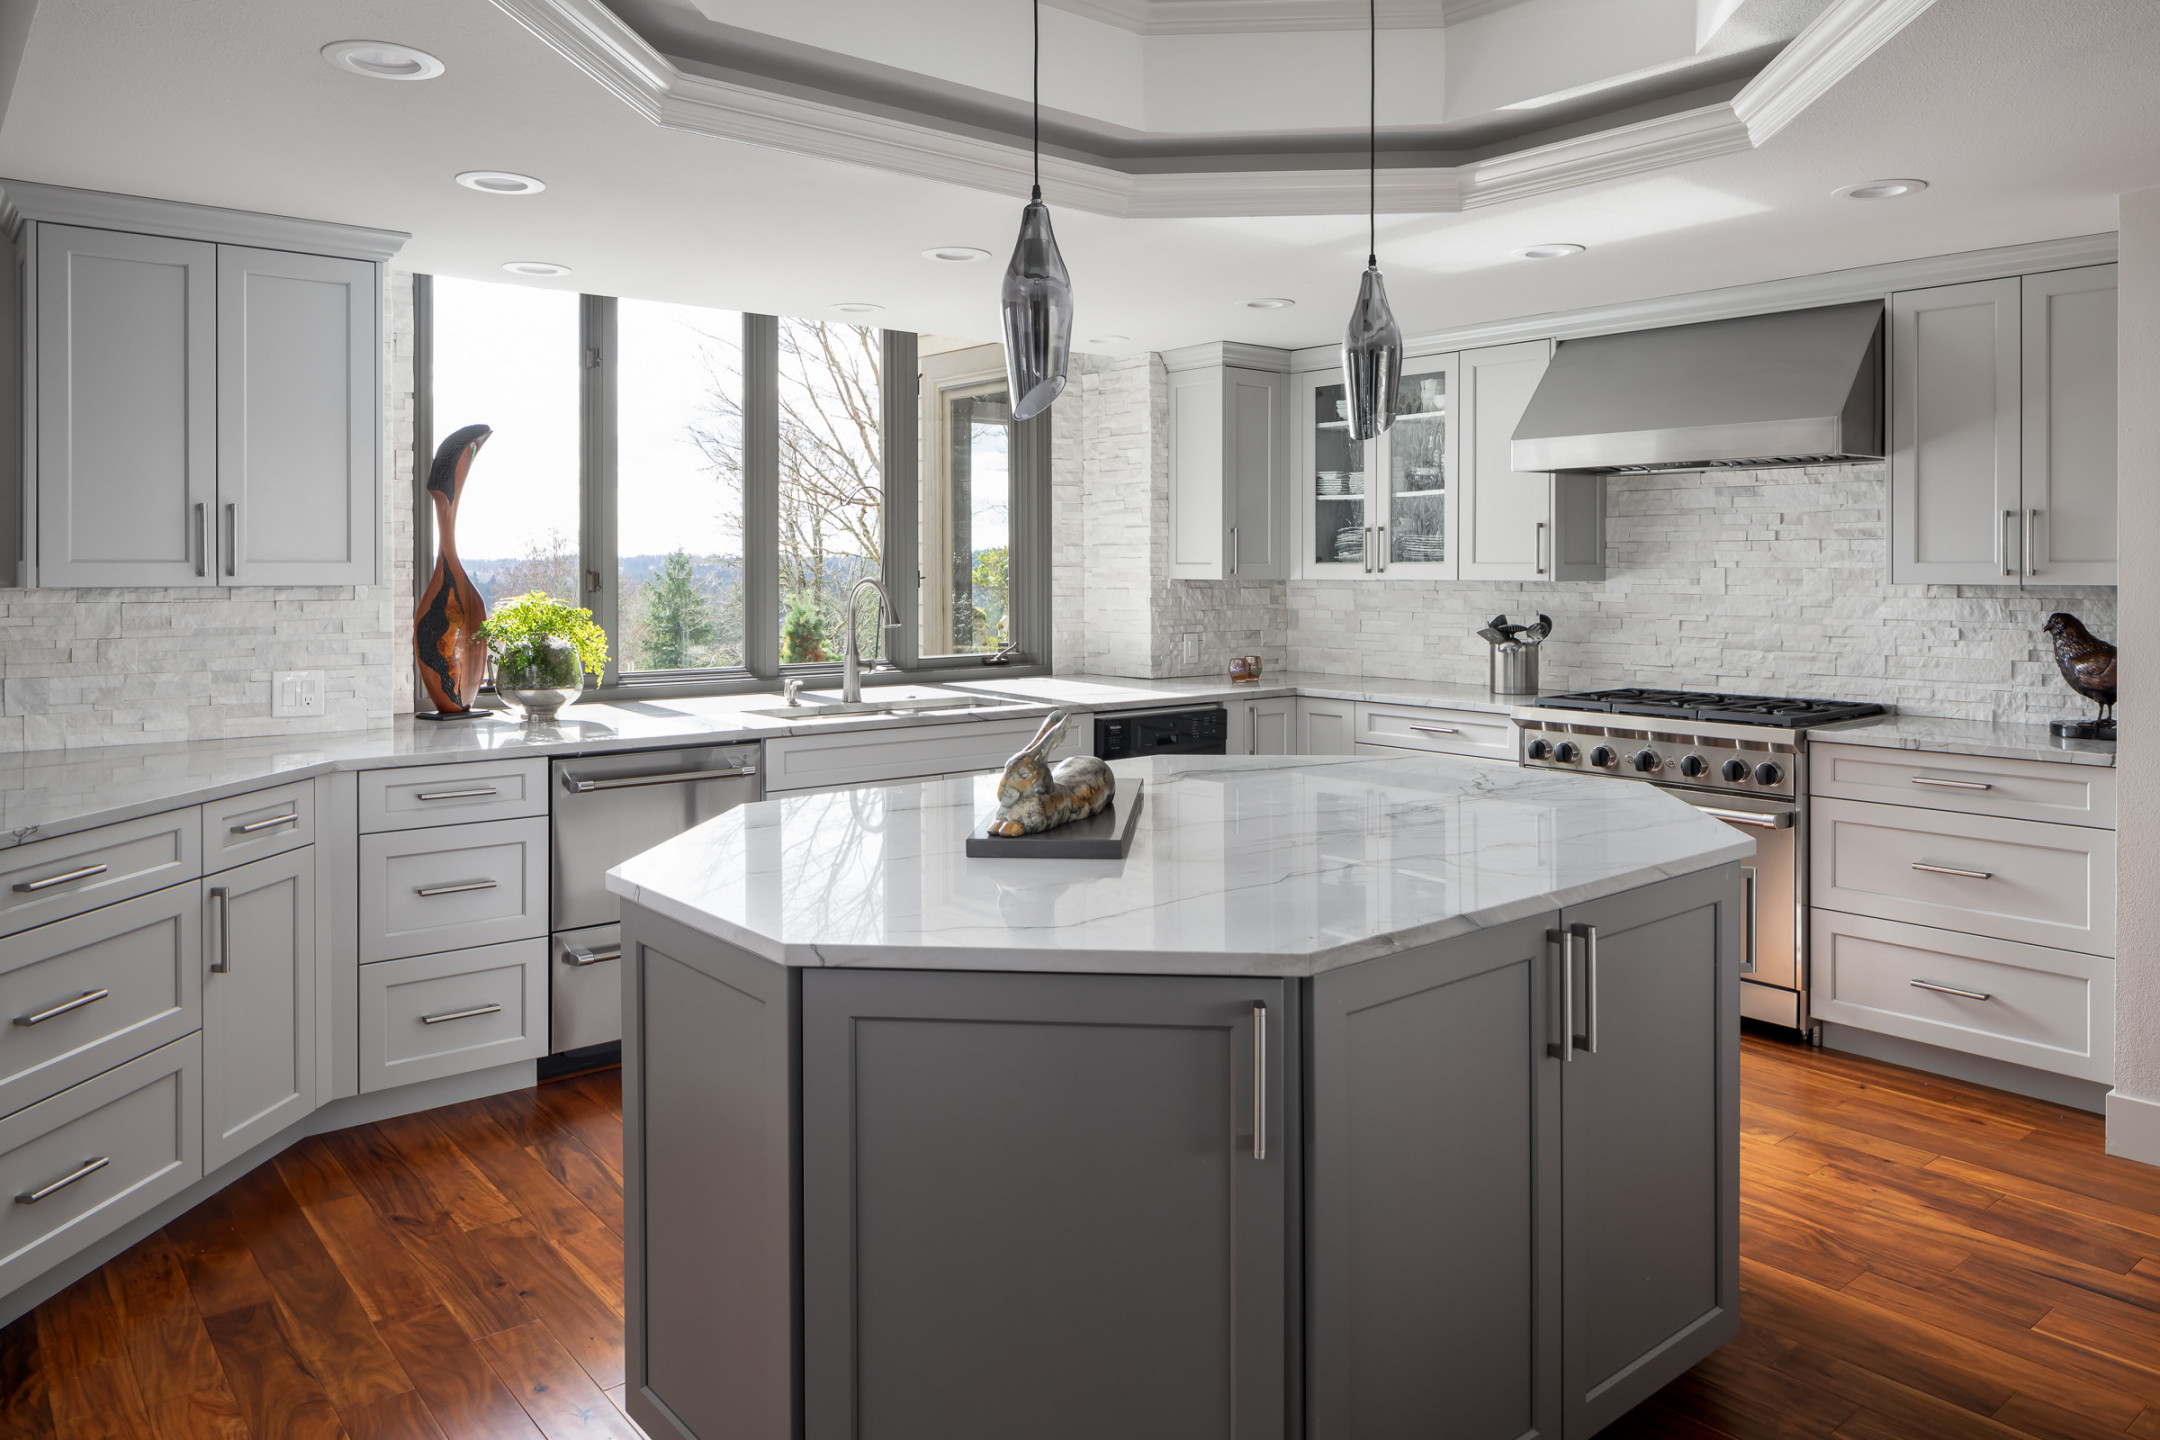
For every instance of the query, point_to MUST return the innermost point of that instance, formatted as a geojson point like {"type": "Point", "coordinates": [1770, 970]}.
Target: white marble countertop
{"type": "Point", "coordinates": [1107, 692]}
{"type": "Point", "coordinates": [1245, 865]}
{"type": "Point", "coordinates": [2008, 739]}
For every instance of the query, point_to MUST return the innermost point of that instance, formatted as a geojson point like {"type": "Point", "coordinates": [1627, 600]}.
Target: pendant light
{"type": "Point", "coordinates": [1372, 345]}
{"type": "Point", "coordinates": [1037, 296]}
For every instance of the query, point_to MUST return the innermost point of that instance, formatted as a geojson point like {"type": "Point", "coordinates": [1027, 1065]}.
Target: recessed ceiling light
{"type": "Point", "coordinates": [1269, 302]}
{"type": "Point", "coordinates": [1556, 250]}
{"type": "Point", "coordinates": [536, 267]}
{"type": "Point", "coordinates": [382, 60]}
{"type": "Point", "coordinates": [501, 182]}
{"type": "Point", "coordinates": [1883, 189]}
{"type": "Point", "coordinates": [1109, 339]}
{"type": "Point", "coordinates": [856, 307]}
{"type": "Point", "coordinates": [956, 254]}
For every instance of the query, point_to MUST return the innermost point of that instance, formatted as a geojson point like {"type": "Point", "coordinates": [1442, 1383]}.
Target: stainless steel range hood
{"type": "Point", "coordinates": [1803, 387]}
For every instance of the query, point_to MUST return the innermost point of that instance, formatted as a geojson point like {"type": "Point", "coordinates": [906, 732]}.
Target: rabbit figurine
{"type": "Point", "coordinates": [1032, 797]}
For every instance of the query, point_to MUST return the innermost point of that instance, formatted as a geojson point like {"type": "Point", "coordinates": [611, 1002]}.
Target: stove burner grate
{"type": "Point", "coordinates": [1785, 711]}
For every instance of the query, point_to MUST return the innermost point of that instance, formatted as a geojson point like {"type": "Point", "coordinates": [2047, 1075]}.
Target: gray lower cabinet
{"type": "Point", "coordinates": [258, 994]}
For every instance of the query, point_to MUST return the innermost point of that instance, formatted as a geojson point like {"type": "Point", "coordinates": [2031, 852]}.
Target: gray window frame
{"type": "Point", "coordinates": [900, 463]}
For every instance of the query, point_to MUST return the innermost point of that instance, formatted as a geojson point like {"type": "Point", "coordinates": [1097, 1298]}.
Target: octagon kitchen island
{"type": "Point", "coordinates": [1363, 1098]}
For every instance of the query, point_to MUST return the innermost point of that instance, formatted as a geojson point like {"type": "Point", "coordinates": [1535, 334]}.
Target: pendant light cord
{"type": "Point", "coordinates": [1038, 100]}
{"type": "Point", "coordinates": [1372, 137]}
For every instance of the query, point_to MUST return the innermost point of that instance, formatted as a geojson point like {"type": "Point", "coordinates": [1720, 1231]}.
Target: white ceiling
{"type": "Point", "coordinates": [2028, 118]}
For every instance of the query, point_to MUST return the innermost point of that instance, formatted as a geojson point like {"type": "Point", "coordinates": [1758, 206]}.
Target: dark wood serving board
{"type": "Point", "coordinates": [1104, 836]}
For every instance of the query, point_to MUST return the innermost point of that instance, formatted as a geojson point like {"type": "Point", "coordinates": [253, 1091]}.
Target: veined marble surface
{"type": "Point", "coordinates": [1245, 865]}
{"type": "Point", "coordinates": [2010, 741]}
{"type": "Point", "coordinates": [1108, 692]}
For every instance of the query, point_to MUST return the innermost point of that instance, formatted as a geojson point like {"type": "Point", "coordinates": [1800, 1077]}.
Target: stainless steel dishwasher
{"type": "Point", "coordinates": [606, 809]}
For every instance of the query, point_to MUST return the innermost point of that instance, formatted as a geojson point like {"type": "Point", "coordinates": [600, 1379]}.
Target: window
{"type": "Point", "coordinates": [711, 484]}
{"type": "Point", "coordinates": [507, 357]}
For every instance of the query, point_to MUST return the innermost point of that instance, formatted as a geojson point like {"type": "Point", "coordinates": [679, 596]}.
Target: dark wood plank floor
{"type": "Point", "coordinates": [1920, 1259]}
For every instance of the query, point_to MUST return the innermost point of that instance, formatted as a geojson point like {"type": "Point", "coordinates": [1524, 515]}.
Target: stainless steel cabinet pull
{"type": "Point", "coordinates": [1952, 784]}
{"type": "Point", "coordinates": [1564, 1048]}
{"type": "Point", "coordinates": [220, 906]}
{"type": "Point", "coordinates": [202, 539]}
{"type": "Point", "coordinates": [88, 997]}
{"type": "Point", "coordinates": [1782, 820]}
{"type": "Point", "coordinates": [1953, 870]}
{"type": "Point", "coordinates": [272, 823]}
{"type": "Point", "coordinates": [1233, 549]}
{"type": "Point", "coordinates": [2032, 556]}
{"type": "Point", "coordinates": [457, 887]}
{"type": "Point", "coordinates": [1747, 958]}
{"type": "Point", "coordinates": [472, 794]}
{"type": "Point", "coordinates": [1368, 550]}
{"type": "Point", "coordinates": [1383, 547]}
{"type": "Point", "coordinates": [1590, 974]}
{"type": "Point", "coordinates": [1541, 567]}
{"type": "Point", "coordinates": [31, 887]}
{"type": "Point", "coordinates": [232, 528]}
{"type": "Point", "coordinates": [578, 955]}
{"type": "Point", "coordinates": [1259, 1080]}
{"type": "Point", "coordinates": [1950, 990]}
{"type": "Point", "coordinates": [82, 1172]}
{"type": "Point", "coordinates": [2009, 527]}
{"type": "Point", "coordinates": [577, 786]}
{"type": "Point", "coordinates": [1436, 729]}
{"type": "Point", "coordinates": [459, 1014]}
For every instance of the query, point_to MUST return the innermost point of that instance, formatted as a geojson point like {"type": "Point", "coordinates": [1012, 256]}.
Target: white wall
{"type": "Point", "coordinates": [2133, 1109]}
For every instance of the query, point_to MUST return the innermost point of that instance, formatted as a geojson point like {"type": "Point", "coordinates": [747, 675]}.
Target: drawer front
{"type": "Point", "coordinates": [585, 988]}
{"type": "Point", "coordinates": [86, 993]}
{"type": "Point", "coordinates": [2049, 1009]}
{"type": "Point", "coordinates": [452, 887]}
{"type": "Point", "coordinates": [452, 794]}
{"type": "Point", "coordinates": [241, 828]}
{"type": "Point", "coordinates": [1445, 732]}
{"type": "Point", "coordinates": [143, 1120]}
{"type": "Point", "coordinates": [816, 762]}
{"type": "Point", "coordinates": [436, 1015]}
{"type": "Point", "coordinates": [2018, 880]}
{"type": "Point", "coordinates": [1969, 784]}
{"type": "Point", "coordinates": [49, 880]}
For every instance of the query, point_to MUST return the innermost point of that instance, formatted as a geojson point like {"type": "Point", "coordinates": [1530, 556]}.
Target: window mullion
{"type": "Point", "coordinates": [1028, 552]}
{"type": "Point", "coordinates": [898, 472]}
{"type": "Point", "coordinates": [761, 495]}
{"type": "Point", "coordinates": [597, 572]}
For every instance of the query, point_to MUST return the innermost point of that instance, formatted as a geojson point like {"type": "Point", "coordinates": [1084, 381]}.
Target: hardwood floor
{"type": "Point", "coordinates": [1920, 1259]}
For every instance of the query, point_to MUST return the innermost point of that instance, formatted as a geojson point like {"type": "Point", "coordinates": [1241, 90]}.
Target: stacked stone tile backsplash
{"type": "Point", "coordinates": [131, 666]}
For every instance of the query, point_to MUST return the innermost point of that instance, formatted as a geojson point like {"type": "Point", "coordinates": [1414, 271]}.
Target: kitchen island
{"type": "Point", "coordinates": [1363, 1098]}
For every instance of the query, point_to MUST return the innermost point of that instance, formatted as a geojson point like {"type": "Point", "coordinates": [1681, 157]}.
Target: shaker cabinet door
{"type": "Point", "coordinates": [1955, 442]}
{"type": "Point", "coordinates": [2069, 336]}
{"type": "Point", "coordinates": [1035, 1205]}
{"type": "Point", "coordinates": [1507, 514]}
{"type": "Point", "coordinates": [297, 441]}
{"type": "Point", "coordinates": [258, 1003]}
{"type": "Point", "coordinates": [126, 382]}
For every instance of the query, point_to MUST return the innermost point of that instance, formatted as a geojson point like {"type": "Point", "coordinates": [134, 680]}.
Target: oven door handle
{"type": "Point", "coordinates": [1782, 820]}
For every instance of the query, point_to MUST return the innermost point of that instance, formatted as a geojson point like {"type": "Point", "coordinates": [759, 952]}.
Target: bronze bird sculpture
{"type": "Point", "coordinates": [2088, 667]}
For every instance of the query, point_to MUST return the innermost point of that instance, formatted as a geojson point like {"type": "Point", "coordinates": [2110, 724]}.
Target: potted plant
{"type": "Point", "coordinates": [542, 649]}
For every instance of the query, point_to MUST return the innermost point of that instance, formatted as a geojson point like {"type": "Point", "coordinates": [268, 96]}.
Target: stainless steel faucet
{"type": "Point", "coordinates": [850, 659]}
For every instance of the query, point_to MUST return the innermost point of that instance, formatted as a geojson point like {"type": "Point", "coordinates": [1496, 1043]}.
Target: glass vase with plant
{"type": "Point", "coordinates": [542, 649]}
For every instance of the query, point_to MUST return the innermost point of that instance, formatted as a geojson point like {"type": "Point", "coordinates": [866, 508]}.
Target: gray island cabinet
{"type": "Point", "coordinates": [1363, 1099]}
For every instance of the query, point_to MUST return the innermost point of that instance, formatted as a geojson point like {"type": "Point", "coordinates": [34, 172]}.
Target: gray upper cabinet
{"type": "Point", "coordinates": [1520, 524]}
{"type": "Point", "coordinates": [2002, 431]}
{"type": "Point", "coordinates": [1229, 465]}
{"type": "Point", "coordinates": [126, 412]}
{"type": "Point", "coordinates": [258, 996]}
{"type": "Point", "coordinates": [297, 431]}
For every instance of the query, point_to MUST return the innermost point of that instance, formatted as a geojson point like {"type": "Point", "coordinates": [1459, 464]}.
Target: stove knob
{"type": "Point", "coordinates": [1605, 756]}
{"type": "Point", "coordinates": [1646, 761]}
{"type": "Point", "coordinates": [1538, 750]}
{"type": "Point", "coordinates": [1566, 753]}
{"type": "Point", "coordinates": [1735, 771]}
{"type": "Point", "coordinates": [1768, 774]}
{"type": "Point", "coordinates": [1694, 766]}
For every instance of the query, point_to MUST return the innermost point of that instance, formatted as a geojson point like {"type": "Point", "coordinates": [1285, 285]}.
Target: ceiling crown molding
{"type": "Point", "coordinates": [1215, 17]}
{"type": "Point", "coordinates": [593, 38]}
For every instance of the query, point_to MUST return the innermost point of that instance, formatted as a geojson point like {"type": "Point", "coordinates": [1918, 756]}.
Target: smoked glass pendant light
{"type": "Point", "coordinates": [1037, 296]}
{"type": "Point", "coordinates": [1372, 345]}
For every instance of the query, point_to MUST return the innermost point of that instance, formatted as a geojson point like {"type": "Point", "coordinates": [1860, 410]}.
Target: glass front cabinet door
{"type": "Point", "coordinates": [1386, 507]}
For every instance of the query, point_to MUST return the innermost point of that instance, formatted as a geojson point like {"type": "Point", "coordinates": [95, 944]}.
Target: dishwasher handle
{"type": "Point", "coordinates": [577, 786]}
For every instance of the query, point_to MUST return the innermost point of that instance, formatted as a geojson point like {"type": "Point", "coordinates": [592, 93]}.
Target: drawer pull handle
{"type": "Point", "coordinates": [457, 887]}
{"type": "Point", "coordinates": [1951, 990]}
{"type": "Point", "coordinates": [1436, 729]}
{"type": "Point", "coordinates": [31, 887]}
{"type": "Point", "coordinates": [82, 1172]}
{"type": "Point", "coordinates": [1952, 784]}
{"type": "Point", "coordinates": [221, 906]}
{"type": "Point", "coordinates": [459, 1014]}
{"type": "Point", "coordinates": [578, 955]}
{"type": "Point", "coordinates": [577, 786]}
{"type": "Point", "coordinates": [88, 997]}
{"type": "Point", "coordinates": [477, 792]}
{"type": "Point", "coordinates": [1953, 870]}
{"type": "Point", "coordinates": [257, 826]}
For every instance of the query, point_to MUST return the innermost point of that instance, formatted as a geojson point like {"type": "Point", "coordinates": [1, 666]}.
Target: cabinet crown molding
{"type": "Point", "coordinates": [1228, 352]}
{"type": "Point", "coordinates": [22, 200]}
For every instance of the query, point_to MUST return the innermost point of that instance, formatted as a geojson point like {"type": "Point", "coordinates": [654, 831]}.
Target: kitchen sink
{"type": "Point", "coordinates": [915, 702]}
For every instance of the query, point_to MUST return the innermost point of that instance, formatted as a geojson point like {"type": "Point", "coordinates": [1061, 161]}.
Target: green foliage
{"type": "Point", "coordinates": [678, 616]}
{"type": "Point", "coordinates": [993, 572]}
{"type": "Point", "coordinates": [804, 631]}
{"type": "Point", "coordinates": [515, 628]}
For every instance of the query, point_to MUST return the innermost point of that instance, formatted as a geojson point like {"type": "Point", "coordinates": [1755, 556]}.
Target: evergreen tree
{"type": "Point", "coordinates": [678, 616]}
{"type": "Point", "coordinates": [804, 631]}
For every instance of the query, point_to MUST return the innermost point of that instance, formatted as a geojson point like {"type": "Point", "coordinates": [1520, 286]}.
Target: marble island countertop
{"type": "Point", "coordinates": [1269, 865]}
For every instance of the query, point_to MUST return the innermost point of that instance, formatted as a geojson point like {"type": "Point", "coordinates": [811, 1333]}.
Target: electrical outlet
{"type": "Point", "coordinates": [1189, 649]}
{"type": "Point", "coordinates": [296, 692]}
